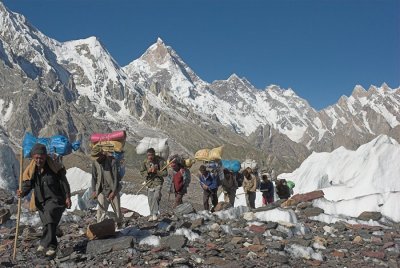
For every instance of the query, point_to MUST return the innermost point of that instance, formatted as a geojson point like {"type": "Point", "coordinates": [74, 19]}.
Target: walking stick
{"type": "Point", "coordinates": [19, 203]}
{"type": "Point", "coordinates": [150, 180]}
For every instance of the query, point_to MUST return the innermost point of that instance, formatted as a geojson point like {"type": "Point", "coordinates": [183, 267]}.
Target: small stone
{"type": "Point", "coordinates": [311, 212]}
{"type": "Point", "coordinates": [249, 216]}
{"type": "Point", "coordinates": [256, 248]}
{"type": "Point", "coordinates": [304, 205]}
{"type": "Point", "coordinates": [179, 261]}
{"type": "Point", "coordinates": [370, 215]}
{"type": "Point", "coordinates": [215, 227]}
{"type": "Point", "coordinates": [376, 240]}
{"type": "Point", "coordinates": [236, 240]}
{"type": "Point", "coordinates": [338, 254]}
{"type": "Point", "coordinates": [374, 254]}
{"type": "Point", "coordinates": [358, 239]}
{"type": "Point", "coordinates": [388, 245]}
{"type": "Point", "coordinates": [197, 223]}
{"type": "Point", "coordinates": [259, 229]}
{"type": "Point", "coordinates": [271, 225]}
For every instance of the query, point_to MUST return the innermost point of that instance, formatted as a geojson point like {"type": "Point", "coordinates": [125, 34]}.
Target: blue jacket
{"type": "Point", "coordinates": [211, 180]}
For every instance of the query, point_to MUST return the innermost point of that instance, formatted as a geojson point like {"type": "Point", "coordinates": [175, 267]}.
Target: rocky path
{"type": "Point", "coordinates": [233, 237]}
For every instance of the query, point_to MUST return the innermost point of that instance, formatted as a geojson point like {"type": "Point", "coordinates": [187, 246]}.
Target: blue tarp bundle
{"type": "Point", "coordinates": [232, 165]}
{"type": "Point", "coordinates": [57, 144]}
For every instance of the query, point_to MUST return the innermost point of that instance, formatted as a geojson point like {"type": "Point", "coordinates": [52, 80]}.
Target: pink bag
{"type": "Point", "coordinates": [113, 136]}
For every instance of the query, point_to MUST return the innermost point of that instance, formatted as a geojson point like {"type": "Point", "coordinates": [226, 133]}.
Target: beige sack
{"type": "Point", "coordinates": [110, 146]}
{"type": "Point", "coordinates": [202, 155]}
{"type": "Point", "coordinates": [215, 154]}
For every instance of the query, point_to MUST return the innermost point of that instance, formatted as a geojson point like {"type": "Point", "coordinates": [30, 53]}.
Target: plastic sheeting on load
{"type": "Point", "coordinates": [249, 163]}
{"type": "Point", "coordinates": [232, 165]}
{"type": "Point", "coordinates": [160, 146]}
{"type": "Point", "coordinates": [57, 144]}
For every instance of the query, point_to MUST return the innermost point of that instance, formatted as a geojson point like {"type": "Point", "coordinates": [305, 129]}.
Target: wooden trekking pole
{"type": "Point", "coordinates": [21, 163]}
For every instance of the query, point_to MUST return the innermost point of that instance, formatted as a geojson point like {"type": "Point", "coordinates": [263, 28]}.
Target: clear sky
{"type": "Point", "coordinates": [319, 48]}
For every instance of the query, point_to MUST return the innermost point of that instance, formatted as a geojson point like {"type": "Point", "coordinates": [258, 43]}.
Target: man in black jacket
{"type": "Point", "coordinates": [52, 194]}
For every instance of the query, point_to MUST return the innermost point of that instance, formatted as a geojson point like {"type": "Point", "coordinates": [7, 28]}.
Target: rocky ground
{"type": "Point", "coordinates": [235, 237]}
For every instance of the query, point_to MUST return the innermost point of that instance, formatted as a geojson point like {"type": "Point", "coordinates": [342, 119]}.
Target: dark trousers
{"type": "Point", "coordinates": [250, 199]}
{"type": "Point", "coordinates": [50, 215]}
{"type": "Point", "coordinates": [207, 194]}
{"type": "Point", "coordinates": [49, 238]}
{"type": "Point", "coordinates": [178, 199]}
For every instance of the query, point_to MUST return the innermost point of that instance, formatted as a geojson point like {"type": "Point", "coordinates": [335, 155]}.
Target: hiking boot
{"type": "Point", "coordinates": [50, 252]}
{"type": "Point", "coordinates": [40, 248]}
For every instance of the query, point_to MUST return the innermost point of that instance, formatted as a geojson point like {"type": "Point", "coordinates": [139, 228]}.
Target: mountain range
{"type": "Point", "coordinates": [75, 88]}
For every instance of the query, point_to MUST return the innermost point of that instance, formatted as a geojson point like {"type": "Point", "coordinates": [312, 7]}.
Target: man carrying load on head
{"type": "Point", "coordinates": [153, 170]}
{"type": "Point", "coordinates": [106, 184]}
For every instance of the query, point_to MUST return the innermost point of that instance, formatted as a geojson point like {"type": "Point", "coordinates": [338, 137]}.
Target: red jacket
{"type": "Point", "coordinates": [178, 181]}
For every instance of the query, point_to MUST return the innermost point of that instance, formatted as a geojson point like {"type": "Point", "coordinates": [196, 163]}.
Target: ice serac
{"type": "Point", "coordinates": [354, 181]}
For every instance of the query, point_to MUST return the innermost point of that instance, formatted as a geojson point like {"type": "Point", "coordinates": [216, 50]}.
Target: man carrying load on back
{"type": "Point", "coordinates": [106, 184]}
{"type": "Point", "coordinates": [153, 170]}
{"type": "Point", "coordinates": [209, 183]}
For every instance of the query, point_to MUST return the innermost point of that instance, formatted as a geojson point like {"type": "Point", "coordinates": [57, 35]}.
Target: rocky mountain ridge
{"type": "Point", "coordinates": [76, 88]}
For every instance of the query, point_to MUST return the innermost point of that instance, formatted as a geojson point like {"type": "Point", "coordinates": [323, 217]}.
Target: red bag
{"type": "Point", "coordinates": [119, 135]}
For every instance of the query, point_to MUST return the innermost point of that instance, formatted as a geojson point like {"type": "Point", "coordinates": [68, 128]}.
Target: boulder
{"type": "Point", "coordinates": [370, 215]}
{"type": "Point", "coordinates": [95, 247]}
{"type": "Point", "coordinates": [184, 209]}
{"type": "Point", "coordinates": [308, 196]}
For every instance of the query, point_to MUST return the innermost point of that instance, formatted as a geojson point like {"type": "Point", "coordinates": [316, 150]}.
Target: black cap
{"type": "Point", "coordinates": [38, 149]}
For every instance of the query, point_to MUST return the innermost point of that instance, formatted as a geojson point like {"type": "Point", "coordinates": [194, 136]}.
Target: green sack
{"type": "Point", "coordinates": [291, 184]}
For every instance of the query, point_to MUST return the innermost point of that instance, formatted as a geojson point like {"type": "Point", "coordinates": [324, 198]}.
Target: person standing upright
{"type": "Point", "coordinates": [153, 170]}
{"type": "Point", "coordinates": [52, 194]}
{"type": "Point", "coordinates": [249, 187]}
{"type": "Point", "coordinates": [178, 179]}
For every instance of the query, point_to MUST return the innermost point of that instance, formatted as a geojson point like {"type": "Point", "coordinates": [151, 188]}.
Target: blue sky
{"type": "Point", "coordinates": [321, 49]}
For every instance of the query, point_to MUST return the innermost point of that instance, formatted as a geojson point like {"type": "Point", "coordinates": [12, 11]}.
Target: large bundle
{"type": "Point", "coordinates": [232, 165]}
{"type": "Point", "coordinates": [58, 144]}
{"type": "Point", "coordinates": [119, 135]}
{"type": "Point", "coordinates": [160, 146]}
{"type": "Point", "coordinates": [209, 155]}
{"type": "Point", "coordinates": [249, 163]}
{"type": "Point", "coordinates": [202, 155]}
{"type": "Point", "coordinates": [109, 142]}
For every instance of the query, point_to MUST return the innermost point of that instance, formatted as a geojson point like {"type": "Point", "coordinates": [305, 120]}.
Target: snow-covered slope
{"type": "Point", "coordinates": [354, 181]}
{"type": "Point", "coordinates": [236, 103]}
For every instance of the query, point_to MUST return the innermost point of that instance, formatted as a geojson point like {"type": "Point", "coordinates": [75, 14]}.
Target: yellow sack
{"type": "Point", "coordinates": [215, 154]}
{"type": "Point", "coordinates": [189, 162]}
{"type": "Point", "coordinates": [110, 146]}
{"type": "Point", "coordinates": [202, 155]}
